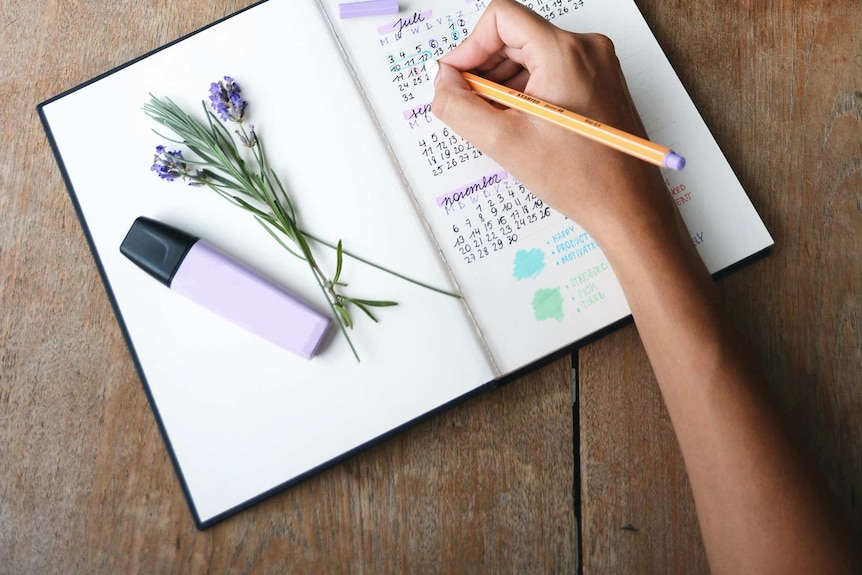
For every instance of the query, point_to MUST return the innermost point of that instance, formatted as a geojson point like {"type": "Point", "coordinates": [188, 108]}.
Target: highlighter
{"type": "Point", "coordinates": [197, 270]}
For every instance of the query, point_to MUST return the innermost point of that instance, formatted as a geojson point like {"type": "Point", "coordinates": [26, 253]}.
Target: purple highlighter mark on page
{"type": "Point", "coordinates": [472, 188]}
{"type": "Point", "coordinates": [421, 111]}
{"type": "Point", "coordinates": [399, 25]}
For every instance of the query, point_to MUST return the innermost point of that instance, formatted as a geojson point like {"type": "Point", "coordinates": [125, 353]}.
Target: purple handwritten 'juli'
{"type": "Point", "coordinates": [459, 194]}
{"type": "Point", "coordinates": [401, 23]}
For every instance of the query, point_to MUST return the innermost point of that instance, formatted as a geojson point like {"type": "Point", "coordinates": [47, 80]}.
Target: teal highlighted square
{"type": "Point", "coordinates": [529, 263]}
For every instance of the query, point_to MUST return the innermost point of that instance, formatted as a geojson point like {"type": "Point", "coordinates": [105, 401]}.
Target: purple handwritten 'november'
{"type": "Point", "coordinates": [468, 190]}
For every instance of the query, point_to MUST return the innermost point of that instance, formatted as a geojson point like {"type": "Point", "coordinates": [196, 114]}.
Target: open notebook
{"type": "Point", "coordinates": [344, 107]}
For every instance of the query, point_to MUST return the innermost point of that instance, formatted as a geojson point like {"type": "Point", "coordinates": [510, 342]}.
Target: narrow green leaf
{"type": "Point", "coordinates": [365, 309]}
{"type": "Point", "coordinates": [276, 238]}
{"type": "Point", "coordinates": [374, 303]}
{"type": "Point", "coordinates": [339, 261]}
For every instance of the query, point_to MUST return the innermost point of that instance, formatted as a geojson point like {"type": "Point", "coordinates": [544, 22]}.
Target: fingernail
{"type": "Point", "coordinates": [433, 69]}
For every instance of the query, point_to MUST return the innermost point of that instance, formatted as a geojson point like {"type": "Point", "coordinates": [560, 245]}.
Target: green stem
{"type": "Point", "coordinates": [326, 293]}
{"type": "Point", "coordinates": [380, 267]}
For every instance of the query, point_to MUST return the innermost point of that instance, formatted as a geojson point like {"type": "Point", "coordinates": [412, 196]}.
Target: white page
{"type": "Point", "coordinates": [242, 415]}
{"type": "Point", "coordinates": [534, 281]}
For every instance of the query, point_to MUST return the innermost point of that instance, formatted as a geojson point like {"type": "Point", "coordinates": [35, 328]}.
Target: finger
{"type": "Point", "coordinates": [502, 72]}
{"type": "Point", "coordinates": [455, 103]}
{"type": "Point", "coordinates": [505, 24]}
{"type": "Point", "coordinates": [470, 115]}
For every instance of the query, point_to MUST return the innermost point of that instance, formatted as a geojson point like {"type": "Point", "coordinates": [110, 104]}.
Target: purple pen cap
{"type": "Point", "coordinates": [368, 8]}
{"type": "Point", "coordinates": [674, 161]}
{"type": "Point", "coordinates": [195, 269]}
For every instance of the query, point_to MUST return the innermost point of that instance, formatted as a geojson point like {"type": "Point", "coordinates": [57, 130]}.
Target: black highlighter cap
{"type": "Point", "coordinates": [157, 248]}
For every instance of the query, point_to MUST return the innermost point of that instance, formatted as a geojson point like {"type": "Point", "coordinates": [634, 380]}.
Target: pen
{"type": "Point", "coordinates": [596, 131]}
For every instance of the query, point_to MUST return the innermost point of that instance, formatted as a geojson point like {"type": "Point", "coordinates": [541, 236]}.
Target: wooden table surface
{"type": "Point", "coordinates": [496, 484]}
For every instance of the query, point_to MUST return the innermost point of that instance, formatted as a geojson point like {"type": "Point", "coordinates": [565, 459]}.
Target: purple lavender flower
{"type": "Point", "coordinates": [226, 100]}
{"type": "Point", "coordinates": [169, 165]}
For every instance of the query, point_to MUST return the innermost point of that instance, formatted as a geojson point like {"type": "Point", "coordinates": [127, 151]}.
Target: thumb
{"type": "Point", "coordinates": [469, 115]}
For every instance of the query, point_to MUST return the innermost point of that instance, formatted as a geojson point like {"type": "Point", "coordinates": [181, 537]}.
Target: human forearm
{"type": "Point", "coordinates": [759, 507]}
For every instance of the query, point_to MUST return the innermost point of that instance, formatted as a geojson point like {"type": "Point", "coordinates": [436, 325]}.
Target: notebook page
{"type": "Point", "coordinates": [535, 281]}
{"type": "Point", "coordinates": [241, 415]}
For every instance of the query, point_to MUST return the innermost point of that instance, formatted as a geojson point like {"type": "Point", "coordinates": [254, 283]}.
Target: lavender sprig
{"type": "Point", "coordinates": [170, 165]}
{"type": "Point", "coordinates": [253, 186]}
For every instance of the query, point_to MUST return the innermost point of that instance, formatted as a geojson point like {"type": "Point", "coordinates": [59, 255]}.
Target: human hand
{"type": "Point", "coordinates": [600, 188]}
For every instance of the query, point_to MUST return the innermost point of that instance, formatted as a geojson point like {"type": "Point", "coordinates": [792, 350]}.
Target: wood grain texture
{"type": "Point", "coordinates": [780, 85]}
{"type": "Point", "coordinates": [86, 485]}
{"type": "Point", "coordinates": [85, 481]}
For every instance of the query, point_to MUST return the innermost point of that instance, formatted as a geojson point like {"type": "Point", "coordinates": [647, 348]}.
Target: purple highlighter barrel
{"type": "Point", "coordinates": [195, 269]}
